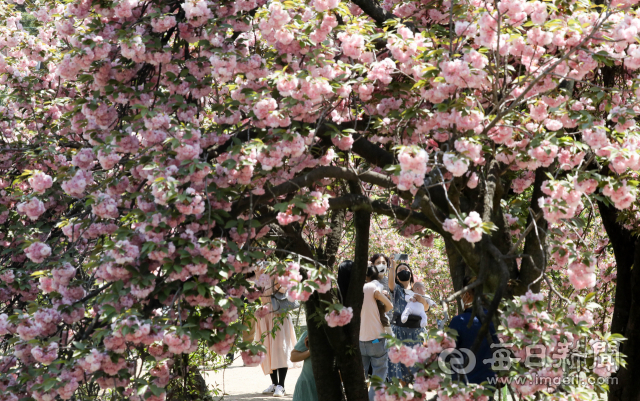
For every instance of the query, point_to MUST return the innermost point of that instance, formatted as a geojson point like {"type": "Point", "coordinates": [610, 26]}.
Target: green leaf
{"type": "Point", "coordinates": [229, 164]}
{"type": "Point", "coordinates": [157, 391]}
{"type": "Point", "coordinates": [143, 389]}
{"type": "Point", "coordinates": [108, 309]}
{"type": "Point", "coordinates": [202, 290]}
{"type": "Point", "coordinates": [50, 383]}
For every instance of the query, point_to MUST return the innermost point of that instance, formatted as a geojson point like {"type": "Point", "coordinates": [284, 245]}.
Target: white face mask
{"type": "Point", "coordinates": [382, 268]}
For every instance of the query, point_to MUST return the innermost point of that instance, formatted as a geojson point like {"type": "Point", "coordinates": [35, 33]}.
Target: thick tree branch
{"type": "Point", "coordinates": [369, 151]}
{"type": "Point", "coordinates": [374, 10]}
{"type": "Point", "coordinates": [307, 179]}
{"type": "Point", "coordinates": [362, 202]}
{"type": "Point", "coordinates": [491, 183]}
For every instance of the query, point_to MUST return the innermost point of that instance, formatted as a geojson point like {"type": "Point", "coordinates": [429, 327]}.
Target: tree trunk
{"type": "Point", "coordinates": [457, 270]}
{"type": "Point", "coordinates": [341, 344]}
{"type": "Point", "coordinates": [328, 255]}
{"type": "Point", "coordinates": [535, 243]}
{"type": "Point", "coordinates": [626, 312]}
{"type": "Point", "coordinates": [628, 386]}
{"type": "Point", "coordinates": [323, 356]}
{"type": "Point", "coordinates": [623, 245]}
{"type": "Point", "coordinates": [349, 359]}
{"type": "Point", "coordinates": [323, 351]}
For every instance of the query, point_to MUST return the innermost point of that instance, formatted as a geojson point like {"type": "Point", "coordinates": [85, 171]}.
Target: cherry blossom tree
{"type": "Point", "coordinates": [155, 152]}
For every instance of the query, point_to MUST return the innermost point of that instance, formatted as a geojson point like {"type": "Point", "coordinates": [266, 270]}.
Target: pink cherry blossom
{"type": "Point", "coordinates": [325, 5]}
{"type": "Point", "coordinates": [223, 347]}
{"type": "Point", "coordinates": [124, 252]}
{"type": "Point", "coordinates": [85, 159]}
{"type": "Point", "coordinates": [342, 318]}
{"type": "Point", "coordinates": [473, 181]}
{"type": "Point", "coordinates": [318, 205]}
{"type": "Point", "coordinates": [33, 208]}
{"type": "Point", "coordinates": [251, 359]}
{"type": "Point", "coordinates": [581, 275]}
{"type": "Point", "coordinates": [455, 164]}
{"type": "Point", "coordinates": [413, 168]}
{"type": "Point", "coordinates": [45, 355]}
{"type": "Point", "coordinates": [104, 206]}
{"type": "Point", "coordinates": [40, 182]}
{"type": "Point", "coordinates": [473, 230]}
{"type": "Point", "coordinates": [408, 355]}
{"type": "Point", "coordinates": [38, 252]}
{"type": "Point", "coordinates": [177, 343]}
{"type": "Point", "coordinates": [76, 185]}
{"type": "Point", "coordinates": [622, 196]}
{"type": "Point", "coordinates": [453, 227]}
{"type": "Point", "coordinates": [343, 142]}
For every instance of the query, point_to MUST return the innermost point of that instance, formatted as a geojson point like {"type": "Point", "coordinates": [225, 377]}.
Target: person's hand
{"type": "Point", "coordinates": [385, 293]}
{"type": "Point", "coordinates": [278, 288]}
{"type": "Point", "coordinates": [306, 342]}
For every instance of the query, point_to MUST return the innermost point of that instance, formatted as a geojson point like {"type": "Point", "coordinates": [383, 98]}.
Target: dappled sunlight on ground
{"type": "Point", "coordinates": [242, 383]}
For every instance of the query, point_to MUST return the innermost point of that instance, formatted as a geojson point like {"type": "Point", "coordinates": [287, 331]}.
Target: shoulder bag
{"type": "Point", "coordinates": [280, 304]}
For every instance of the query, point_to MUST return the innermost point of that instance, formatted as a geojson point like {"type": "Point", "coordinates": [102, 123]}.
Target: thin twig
{"type": "Point", "coordinates": [287, 251]}
{"type": "Point", "coordinates": [526, 232]}
{"type": "Point", "coordinates": [462, 291]}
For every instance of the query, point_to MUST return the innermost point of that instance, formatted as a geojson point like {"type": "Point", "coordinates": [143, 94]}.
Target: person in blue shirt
{"type": "Point", "coordinates": [306, 385]}
{"type": "Point", "coordinates": [467, 335]}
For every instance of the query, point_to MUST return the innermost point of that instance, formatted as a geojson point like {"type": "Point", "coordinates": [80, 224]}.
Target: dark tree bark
{"type": "Point", "coordinates": [623, 244]}
{"type": "Point", "coordinates": [457, 269]}
{"type": "Point", "coordinates": [350, 360]}
{"type": "Point", "coordinates": [535, 243]}
{"type": "Point", "coordinates": [342, 344]}
{"type": "Point", "coordinates": [323, 352]}
{"type": "Point", "coordinates": [335, 351]}
{"type": "Point", "coordinates": [323, 356]}
{"type": "Point", "coordinates": [327, 256]}
{"type": "Point", "coordinates": [628, 386]}
{"type": "Point", "coordinates": [626, 312]}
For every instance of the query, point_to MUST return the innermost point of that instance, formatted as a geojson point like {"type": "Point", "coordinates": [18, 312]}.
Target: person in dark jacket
{"type": "Point", "coordinates": [467, 335]}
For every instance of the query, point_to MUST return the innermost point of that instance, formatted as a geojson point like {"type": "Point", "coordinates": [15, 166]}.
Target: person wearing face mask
{"type": "Point", "coordinates": [467, 334]}
{"type": "Point", "coordinates": [381, 263]}
{"type": "Point", "coordinates": [372, 329]}
{"type": "Point", "coordinates": [400, 284]}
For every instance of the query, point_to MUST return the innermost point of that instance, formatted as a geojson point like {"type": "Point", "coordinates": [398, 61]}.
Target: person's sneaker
{"type": "Point", "coordinates": [270, 390]}
{"type": "Point", "coordinates": [279, 391]}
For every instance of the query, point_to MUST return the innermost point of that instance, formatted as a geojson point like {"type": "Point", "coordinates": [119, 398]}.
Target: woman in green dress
{"type": "Point", "coordinates": [306, 385]}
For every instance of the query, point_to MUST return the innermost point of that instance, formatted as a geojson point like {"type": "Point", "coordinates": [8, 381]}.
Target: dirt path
{"type": "Point", "coordinates": [241, 383]}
